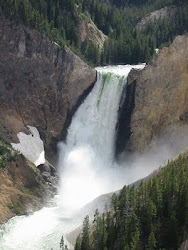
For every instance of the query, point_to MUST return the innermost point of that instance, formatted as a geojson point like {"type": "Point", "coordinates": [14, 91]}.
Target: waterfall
{"type": "Point", "coordinates": [94, 123]}
{"type": "Point", "coordinates": [87, 157]}
{"type": "Point", "coordinates": [86, 164]}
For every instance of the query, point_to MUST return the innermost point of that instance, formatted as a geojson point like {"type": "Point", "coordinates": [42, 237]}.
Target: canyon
{"type": "Point", "coordinates": [42, 86]}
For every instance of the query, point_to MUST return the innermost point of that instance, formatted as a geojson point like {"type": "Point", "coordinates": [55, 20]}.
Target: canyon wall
{"type": "Point", "coordinates": [157, 100]}
{"type": "Point", "coordinates": [22, 189]}
{"type": "Point", "coordinates": [41, 85]}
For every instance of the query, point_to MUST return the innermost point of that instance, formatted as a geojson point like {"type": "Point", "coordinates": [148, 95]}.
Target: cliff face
{"type": "Point", "coordinates": [21, 187]}
{"type": "Point", "coordinates": [158, 104]}
{"type": "Point", "coordinates": [88, 31]}
{"type": "Point", "coordinates": [155, 16]}
{"type": "Point", "coordinates": [41, 85]}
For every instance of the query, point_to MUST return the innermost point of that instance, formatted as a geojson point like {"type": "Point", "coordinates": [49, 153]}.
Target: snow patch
{"type": "Point", "coordinates": [31, 146]}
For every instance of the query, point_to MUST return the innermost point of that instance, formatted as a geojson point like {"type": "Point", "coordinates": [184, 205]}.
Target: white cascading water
{"type": "Point", "coordinates": [86, 166]}
{"type": "Point", "coordinates": [87, 158]}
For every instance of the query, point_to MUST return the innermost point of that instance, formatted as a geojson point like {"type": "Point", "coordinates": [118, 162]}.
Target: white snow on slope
{"type": "Point", "coordinates": [31, 146]}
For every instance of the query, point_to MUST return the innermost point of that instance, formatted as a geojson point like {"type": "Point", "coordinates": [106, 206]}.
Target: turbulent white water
{"type": "Point", "coordinates": [87, 158]}
{"type": "Point", "coordinates": [86, 164]}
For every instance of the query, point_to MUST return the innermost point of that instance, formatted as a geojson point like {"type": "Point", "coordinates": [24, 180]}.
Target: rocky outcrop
{"type": "Point", "coordinates": [155, 16]}
{"type": "Point", "coordinates": [50, 176]}
{"type": "Point", "coordinates": [158, 103]}
{"type": "Point", "coordinates": [88, 31]}
{"type": "Point", "coordinates": [184, 245]}
{"type": "Point", "coordinates": [41, 85]}
{"type": "Point", "coordinates": [22, 189]}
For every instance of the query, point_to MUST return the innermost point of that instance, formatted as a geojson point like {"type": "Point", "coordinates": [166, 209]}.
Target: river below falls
{"type": "Point", "coordinates": [40, 231]}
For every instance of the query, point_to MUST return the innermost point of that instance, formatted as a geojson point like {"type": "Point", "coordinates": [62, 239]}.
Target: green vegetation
{"type": "Point", "coordinates": [17, 208]}
{"type": "Point", "coordinates": [152, 216]}
{"type": "Point", "coordinates": [26, 191]}
{"type": "Point", "coordinates": [7, 154]}
{"type": "Point", "coordinates": [105, 78]}
{"type": "Point", "coordinates": [62, 244]}
{"type": "Point", "coordinates": [152, 4]}
{"type": "Point", "coordinates": [59, 19]}
{"type": "Point", "coordinates": [164, 32]}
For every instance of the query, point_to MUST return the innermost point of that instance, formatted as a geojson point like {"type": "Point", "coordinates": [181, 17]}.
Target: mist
{"type": "Point", "coordinates": [86, 175]}
{"type": "Point", "coordinates": [87, 166]}
{"type": "Point", "coordinates": [87, 169]}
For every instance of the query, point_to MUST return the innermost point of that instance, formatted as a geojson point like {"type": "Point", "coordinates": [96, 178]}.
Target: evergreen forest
{"type": "Point", "coordinates": [151, 216]}
{"type": "Point", "coordinates": [117, 19]}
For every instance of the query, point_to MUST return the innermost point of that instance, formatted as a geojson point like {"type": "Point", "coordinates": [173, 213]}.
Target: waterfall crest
{"type": "Point", "coordinates": [90, 145]}
{"type": "Point", "coordinates": [86, 164]}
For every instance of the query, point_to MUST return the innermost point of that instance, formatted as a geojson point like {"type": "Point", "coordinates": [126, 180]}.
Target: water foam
{"type": "Point", "coordinates": [86, 164]}
{"type": "Point", "coordinates": [87, 158]}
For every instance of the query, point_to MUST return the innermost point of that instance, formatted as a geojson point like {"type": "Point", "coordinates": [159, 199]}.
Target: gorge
{"type": "Point", "coordinates": [86, 165]}
{"type": "Point", "coordinates": [110, 132]}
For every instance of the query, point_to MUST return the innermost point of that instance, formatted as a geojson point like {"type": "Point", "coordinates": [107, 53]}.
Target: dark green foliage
{"type": "Point", "coordinates": [164, 32]}
{"type": "Point", "coordinates": [17, 208]}
{"type": "Point", "coordinates": [6, 154]}
{"type": "Point", "coordinates": [85, 244]}
{"type": "Point", "coordinates": [59, 20]}
{"type": "Point", "coordinates": [62, 244]}
{"type": "Point", "coordinates": [152, 216]}
{"type": "Point", "coordinates": [125, 44]}
{"type": "Point", "coordinates": [154, 3]}
{"type": "Point", "coordinates": [78, 243]}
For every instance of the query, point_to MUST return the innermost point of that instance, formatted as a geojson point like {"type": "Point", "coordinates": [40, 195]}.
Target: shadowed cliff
{"type": "Point", "coordinates": [41, 85]}
{"type": "Point", "coordinates": [156, 104]}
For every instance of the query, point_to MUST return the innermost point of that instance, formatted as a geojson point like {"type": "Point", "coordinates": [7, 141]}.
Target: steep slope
{"type": "Point", "coordinates": [155, 16]}
{"type": "Point", "coordinates": [22, 189]}
{"type": "Point", "coordinates": [41, 85]}
{"type": "Point", "coordinates": [89, 31]}
{"type": "Point", "coordinates": [151, 216]}
{"type": "Point", "coordinates": [116, 19]}
{"type": "Point", "coordinates": [157, 100]}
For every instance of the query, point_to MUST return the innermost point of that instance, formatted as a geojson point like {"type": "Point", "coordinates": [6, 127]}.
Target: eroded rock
{"type": "Point", "coordinates": [159, 99]}
{"type": "Point", "coordinates": [41, 85]}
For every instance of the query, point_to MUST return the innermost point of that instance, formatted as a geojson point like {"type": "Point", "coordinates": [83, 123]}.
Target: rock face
{"type": "Point", "coordinates": [89, 31]}
{"type": "Point", "coordinates": [184, 245]}
{"type": "Point", "coordinates": [41, 85]}
{"type": "Point", "coordinates": [155, 16]}
{"type": "Point", "coordinates": [22, 189]}
{"type": "Point", "coordinates": [157, 99]}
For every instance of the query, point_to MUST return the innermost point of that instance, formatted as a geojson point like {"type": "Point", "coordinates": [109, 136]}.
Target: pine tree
{"type": "Point", "coordinates": [78, 243]}
{"type": "Point", "coordinates": [136, 242]}
{"type": "Point", "coordinates": [62, 243]}
{"type": "Point", "coordinates": [85, 244]}
{"type": "Point", "coordinates": [151, 241]}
